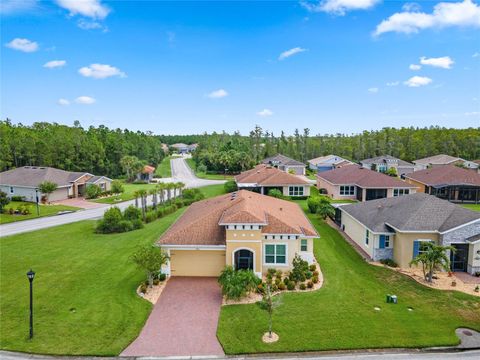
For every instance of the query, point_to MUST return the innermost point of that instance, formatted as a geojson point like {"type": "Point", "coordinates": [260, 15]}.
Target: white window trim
{"type": "Point", "coordinates": [244, 248]}
{"type": "Point", "coordinates": [301, 245]}
{"type": "Point", "coordinates": [349, 186]}
{"type": "Point", "coordinates": [265, 254]}
{"type": "Point", "coordinates": [291, 191]}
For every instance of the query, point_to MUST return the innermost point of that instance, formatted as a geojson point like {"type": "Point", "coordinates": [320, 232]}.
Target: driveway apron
{"type": "Point", "coordinates": [183, 321]}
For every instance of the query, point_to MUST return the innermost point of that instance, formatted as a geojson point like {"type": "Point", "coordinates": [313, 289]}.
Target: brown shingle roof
{"type": "Point", "coordinates": [32, 176]}
{"type": "Point", "coordinates": [446, 175]}
{"type": "Point", "coordinates": [365, 178]}
{"type": "Point", "coordinates": [200, 224]}
{"type": "Point", "coordinates": [440, 159]}
{"type": "Point", "coordinates": [265, 175]}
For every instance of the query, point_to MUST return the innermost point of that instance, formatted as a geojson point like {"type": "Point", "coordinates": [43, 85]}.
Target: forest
{"type": "Point", "coordinates": [99, 150]}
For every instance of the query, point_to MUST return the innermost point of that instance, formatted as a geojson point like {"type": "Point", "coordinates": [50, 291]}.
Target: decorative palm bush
{"type": "Point", "coordinates": [236, 284]}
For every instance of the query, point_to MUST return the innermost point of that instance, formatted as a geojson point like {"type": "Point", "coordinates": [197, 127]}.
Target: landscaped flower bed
{"type": "Point", "coordinates": [153, 293]}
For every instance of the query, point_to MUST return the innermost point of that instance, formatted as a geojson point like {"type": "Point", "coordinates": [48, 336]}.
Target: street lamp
{"type": "Point", "coordinates": [36, 198]}
{"type": "Point", "coordinates": [225, 174]}
{"type": "Point", "coordinates": [30, 276]}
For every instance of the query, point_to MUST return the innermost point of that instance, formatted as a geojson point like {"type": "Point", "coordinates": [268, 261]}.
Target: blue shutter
{"type": "Point", "coordinates": [416, 248]}
{"type": "Point", "coordinates": [382, 241]}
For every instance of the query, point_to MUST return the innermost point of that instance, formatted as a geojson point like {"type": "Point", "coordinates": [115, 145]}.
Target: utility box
{"type": "Point", "coordinates": [393, 299]}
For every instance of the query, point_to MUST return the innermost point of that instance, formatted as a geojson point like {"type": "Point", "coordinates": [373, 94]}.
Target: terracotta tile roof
{"type": "Point", "coordinates": [200, 224]}
{"type": "Point", "coordinates": [265, 175]}
{"type": "Point", "coordinates": [446, 175]}
{"type": "Point", "coordinates": [365, 178]}
{"type": "Point", "coordinates": [147, 169]}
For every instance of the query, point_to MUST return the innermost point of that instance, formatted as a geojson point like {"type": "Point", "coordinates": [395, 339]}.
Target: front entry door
{"type": "Point", "coordinates": [243, 260]}
{"type": "Point", "coordinates": [459, 258]}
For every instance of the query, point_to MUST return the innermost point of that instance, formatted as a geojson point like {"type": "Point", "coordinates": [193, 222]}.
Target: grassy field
{"type": "Point", "coordinates": [128, 194]}
{"type": "Point", "coordinates": [475, 207]}
{"type": "Point", "coordinates": [45, 210]}
{"type": "Point", "coordinates": [203, 175]}
{"type": "Point", "coordinates": [84, 289]}
{"type": "Point", "coordinates": [341, 314]}
{"type": "Point", "coordinates": [212, 190]}
{"type": "Point", "coordinates": [163, 169]}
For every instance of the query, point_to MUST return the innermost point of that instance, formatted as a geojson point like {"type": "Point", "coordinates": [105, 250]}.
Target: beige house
{"type": "Point", "coordinates": [24, 182]}
{"type": "Point", "coordinates": [442, 159]}
{"type": "Point", "coordinates": [286, 164]}
{"type": "Point", "coordinates": [356, 183]}
{"type": "Point", "coordinates": [262, 178]}
{"type": "Point", "coordinates": [243, 229]}
{"type": "Point", "coordinates": [397, 228]}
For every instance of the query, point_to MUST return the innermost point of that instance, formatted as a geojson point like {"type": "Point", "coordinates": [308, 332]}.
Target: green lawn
{"type": "Point", "coordinates": [45, 210]}
{"type": "Point", "coordinates": [84, 289]}
{"type": "Point", "coordinates": [475, 207]}
{"type": "Point", "coordinates": [163, 169]}
{"type": "Point", "coordinates": [202, 175]}
{"type": "Point", "coordinates": [212, 190]}
{"type": "Point", "coordinates": [128, 194]}
{"type": "Point", "coordinates": [341, 314]}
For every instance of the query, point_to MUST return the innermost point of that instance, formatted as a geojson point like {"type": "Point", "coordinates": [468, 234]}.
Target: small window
{"type": "Point", "coordinates": [11, 190]}
{"type": "Point", "coordinates": [384, 241]}
{"type": "Point", "coordinates": [295, 191]}
{"type": "Point", "coordinates": [275, 254]}
{"type": "Point", "coordinates": [303, 245]}
{"type": "Point", "coordinates": [367, 237]}
{"type": "Point", "coordinates": [387, 241]}
{"type": "Point", "coordinates": [347, 190]}
{"type": "Point", "coordinates": [399, 192]}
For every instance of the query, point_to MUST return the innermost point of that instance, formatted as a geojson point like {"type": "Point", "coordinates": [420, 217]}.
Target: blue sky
{"type": "Point", "coordinates": [190, 67]}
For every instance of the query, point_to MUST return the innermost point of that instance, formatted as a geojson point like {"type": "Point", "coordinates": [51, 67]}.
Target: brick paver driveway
{"type": "Point", "coordinates": [183, 321]}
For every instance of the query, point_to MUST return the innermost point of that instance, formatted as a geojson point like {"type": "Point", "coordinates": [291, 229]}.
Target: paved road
{"type": "Point", "coordinates": [467, 355]}
{"type": "Point", "coordinates": [180, 171]}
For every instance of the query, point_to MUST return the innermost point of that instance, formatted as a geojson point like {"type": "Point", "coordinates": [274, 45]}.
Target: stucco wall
{"type": "Point", "coordinates": [332, 190]}
{"type": "Point", "coordinates": [473, 258]}
{"type": "Point", "coordinates": [356, 232]}
{"type": "Point", "coordinates": [306, 191]}
{"type": "Point", "coordinates": [420, 186]}
{"type": "Point", "coordinates": [403, 246]}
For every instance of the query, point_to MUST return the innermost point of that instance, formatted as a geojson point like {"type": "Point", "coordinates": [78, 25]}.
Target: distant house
{"type": "Point", "coordinates": [24, 181]}
{"type": "Point", "coordinates": [286, 164]}
{"type": "Point", "coordinates": [398, 228]}
{"type": "Point", "coordinates": [165, 148]}
{"type": "Point", "coordinates": [182, 148]}
{"type": "Point", "coordinates": [264, 178]}
{"type": "Point", "coordinates": [384, 163]}
{"type": "Point", "coordinates": [328, 162]}
{"type": "Point", "coordinates": [442, 159]}
{"type": "Point", "coordinates": [146, 174]}
{"type": "Point", "coordinates": [448, 182]}
{"type": "Point", "coordinates": [356, 183]}
{"type": "Point", "coordinates": [243, 230]}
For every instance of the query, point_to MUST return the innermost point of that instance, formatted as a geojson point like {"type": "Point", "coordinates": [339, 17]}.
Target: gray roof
{"type": "Point", "coordinates": [385, 159]}
{"type": "Point", "coordinates": [441, 159]}
{"type": "Point", "coordinates": [96, 178]}
{"type": "Point", "coordinates": [414, 212]}
{"type": "Point", "coordinates": [282, 160]}
{"type": "Point", "coordinates": [32, 176]}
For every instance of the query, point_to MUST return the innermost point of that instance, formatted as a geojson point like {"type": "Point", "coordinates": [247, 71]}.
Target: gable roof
{"type": "Point", "coordinates": [414, 212]}
{"type": "Point", "coordinates": [97, 178]}
{"type": "Point", "coordinates": [440, 159]}
{"type": "Point", "coordinates": [329, 159]}
{"type": "Point", "coordinates": [202, 223]}
{"type": "Point", "coordinates": [446, 175]}
{"type": "Point", "coordinates": [365, 178]}
{"type": "Point", "coordinates": [266, 175]}
{"type": "Point", "coordinates": [282, 160]}
{"type": "Point", "coordinates": [33, 176]}
{"type": "Point", "coordinates": [384, 159]}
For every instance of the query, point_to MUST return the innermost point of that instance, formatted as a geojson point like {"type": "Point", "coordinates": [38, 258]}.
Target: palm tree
{"type": "Point", "coordinates": [143, 198]}
{"type": "Point", "coordinates": [137, 195]}
{"type": "Point", "coordinates": [161, 190]}
{"type": "Point", "coordinates": [153, 192]}
{"type": "Point", "coordinates": [169, 187]}
{"type": "Point", "coordinates": [432, 257]}
{"type": "Point", "coordinates": [181, 186]}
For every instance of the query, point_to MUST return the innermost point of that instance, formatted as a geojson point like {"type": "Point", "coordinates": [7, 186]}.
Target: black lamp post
{"type": "Point", "coordinates": [31, 275]}
{"type": "Point", "coordinates": [36, 198]}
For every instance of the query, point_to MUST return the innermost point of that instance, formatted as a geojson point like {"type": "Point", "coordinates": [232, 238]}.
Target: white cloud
{"type": "Point", "coordinates": [90, 8]}
{"type": "Point", "coordinates": [265, 113]}
{"type": "Point", "coordinates": [63, 102]}
{"type": "Point", "coordinates": [24, 45]}
{"type": "Point", "coordinates": [90, 25]}
{"type": "Point", "coordinates": [217, 94]}
{"type": "Point", "coordinates": [373, 90]}
{"type": "Point", "coordinates": [444, 14]}
{"type": "Point", "coordinates": [100, 71]}
{"type": "Point", "coordinates": [338, 7]}
{"type": "Point", "coordinates": [291, 52]}
{"type": "Point", "coordinates": [415, 67]}
{"type": "Point", "coordinates": [472, 113]}
{"type": "Point", "coordinates": [477, 54]}
{"type": "Point", "coordinates": [411, 7]}
{"type": "Point", "coordinates": [444, 62]}
{"type": "Point", "coordinates": [54, 64]}
{"type": "Point", "coordinates": [8, 7]}
{"type": "Point", "coordinates": [417, 81]}
{"type": "Point", "coordinates": [393, 83]}
{"type": "Point", "coordinates": [85, 100]}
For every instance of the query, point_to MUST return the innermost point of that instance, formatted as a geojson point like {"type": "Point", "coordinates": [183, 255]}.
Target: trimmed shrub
{"type": "Point", "coordinates": [124, 226]}
{"type": "Point", "coordinates": [236, 284]}
{"type": "Point", "coordinates": [275, 193]}
{"type": "Point", "coordinates": [308, 275]}
{"type": "Point", "coordinates": [117, 187]}
{"type": "Point", "coordinates": [4, 200]}
{"type": "Point", "coordinates": [291, 285]}
{"type": "Point", "coordinates": [271, 272]}
{"type": "Point", "coordinates": [93, 191]}
{"type": "Point", "coordinates": [17, 198]}
{"type": "Point", "coordinates": [162, 277]}
{"type": "Point", "coordinates": [312, 267]}
{"type": "Point", "coordinates": [300, 267]}
{"type": "Point", "coordinates": [132, 213]}
{"type": "Point", "coordinates": [316, 273]}
{"type": "Point", "coordinates": [277, 281]}
{"type": "Point", "coordinates": [282, 286]}
{"type": "Point", "coordinates": [303, 286]}
{"type": "Point", "coordinates": [110, 222]}
{"type": "Point", "coordinates": [156, 281]}
{"type": "Point", "coordinates": [192, 194]}
{"type": "Point", "coordinates": [389, 262]}
{"type": "Point", "coordinates": [313, 202]}
{"type": "Point", "coordinates": [315, 279]}
{"type": "Point", "coordinates": [310, 284]}
{"type": "Point", "coordinates": [230, 186]}
{"type": "Point", "coordinates": [150, 216]}
{"type": "Point", "coordinates": [279, 274]}
{"type": "Point", "coordinates": [143, 289]}
{"type": "Point", "coordinates": [137, 224]}
{"type": "Point", "coordinates": [201, 168]}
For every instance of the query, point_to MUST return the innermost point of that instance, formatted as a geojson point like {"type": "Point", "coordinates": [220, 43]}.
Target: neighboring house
{"type": "Point", "coordinates": [24, 181]}
{"type": "Point", "coordinates": [356, 183]}
{"type": "Point", "coordinates": [440, 160]}
{"type": "Point", "coordinates": [243, 229]}
{"type": "Point", "coordinates": [384, 163]}
{"type": "Point", "coordinates": [328, 162]}
{"type": "Point", "coordinates": [286, 164]}
{"type": "Point", "coordinates": [146, 174]}
{"type": "Point", "coordinates": [396, 228]}
{"type": "Point", "coordinates": [264, 178]}
{"type": "Point", "coordinates": [102, 182]}
{"type": "Point", "coordinates": [182, 148]}
{"type": "Point", "coordinates": [448, 182]}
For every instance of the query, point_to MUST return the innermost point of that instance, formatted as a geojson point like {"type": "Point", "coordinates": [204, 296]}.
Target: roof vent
{"type": "Point", "coordinates": [281, 209]}
{"type": "Point", "coordinates": [233, 196]}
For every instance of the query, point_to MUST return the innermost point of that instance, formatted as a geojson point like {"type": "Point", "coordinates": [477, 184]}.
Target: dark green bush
{"type": "Point", "coordinates": [132, 213]}
{"type": "Point", "coordinates": [230, 186]}
{"type": "Point", "coordinates": [237, 283]}
{"type": "Point", "coordinates": [300, 268]}
{"type": "Point", "coordinates": [389, 262]}
{"type": "Point", "coordinates": [93, 191]}
{"type": "Point", "coordinates": [275, 193]}
{"type": "Point", "coordinates": [162, 277]}
{"type": "Point", "coordinates": [282, 286]}
{"type": "Point", "coordinates": [315, 279]}
{"type": "Point", "coordinates": [18, 198]}
{"type": "Point", "coordinates": [312, 267]}
{"type": "Point", "coordinates": [303, 286]}
{"type": "Point", "coordinates": [117, 187]}
{"type": "Point", "coordinates": [271, 272]}
{"type": "Point", "coordinates": [291, 285]}
{"type": "Point", "coordinates": [308, 275]}
{"type": "Point", "coordinates": [150, 216]}
{"type": "Point", "coordinates": [124, 226]}
{"type": "Point", "coordinates": [110, 222]}
{"type": "Point", "coordinates": [137, 224]}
